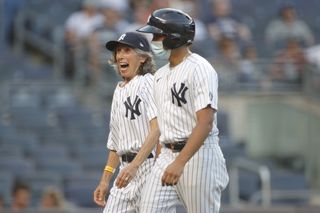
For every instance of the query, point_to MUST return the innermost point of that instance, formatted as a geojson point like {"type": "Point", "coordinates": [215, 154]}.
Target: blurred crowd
{"type": "Point", "coordinates": [21, 199]}
{"type": "Point", "coordinates": [222, 37]}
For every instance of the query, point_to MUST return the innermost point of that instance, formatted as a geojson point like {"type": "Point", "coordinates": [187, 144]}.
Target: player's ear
{"type": "Point", "coordinates": [142, 59]}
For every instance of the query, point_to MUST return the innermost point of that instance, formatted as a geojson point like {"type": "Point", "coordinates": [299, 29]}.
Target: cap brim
{"type": "Point", "coordinates": [150, 29]}
{"type": "Point", "coordinates": [112, 45]}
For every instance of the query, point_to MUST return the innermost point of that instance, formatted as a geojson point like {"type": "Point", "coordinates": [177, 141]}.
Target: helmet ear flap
{"type": "Point", "coordinates": [172, 41]}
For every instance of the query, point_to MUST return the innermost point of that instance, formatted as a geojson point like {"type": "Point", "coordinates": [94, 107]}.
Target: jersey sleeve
{"type": "Point", "coordinates": [148, 98]}
{"type": "Point", "coordinates": [114, 128]}
{"type": "Point", "coordinates": [71, 21]}
{"type": "Point", "coordinates": [205, 87]}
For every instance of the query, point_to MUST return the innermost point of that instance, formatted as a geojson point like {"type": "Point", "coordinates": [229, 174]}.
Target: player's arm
{"type": "Point", "coordinates": [152, 139]}
{"type": "Point", "coordinates": [102, 188]}
{"type": "Point", "coordinates": [199, 133]}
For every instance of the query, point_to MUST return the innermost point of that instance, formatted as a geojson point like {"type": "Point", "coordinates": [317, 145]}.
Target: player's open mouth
{"type": "Point", "coordinates": [124, 65]}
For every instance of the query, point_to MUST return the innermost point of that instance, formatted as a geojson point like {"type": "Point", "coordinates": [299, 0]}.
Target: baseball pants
{"type": "Point", "coordinates": [127, 199]}
{"type": "Point", "coordinates": [199, 188]}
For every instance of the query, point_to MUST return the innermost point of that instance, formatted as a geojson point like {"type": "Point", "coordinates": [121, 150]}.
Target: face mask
{"type": "Point", "coordinates": [158, 50]}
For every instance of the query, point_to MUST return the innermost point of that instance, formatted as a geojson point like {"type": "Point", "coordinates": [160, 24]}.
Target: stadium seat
{"type": "Point", "coordinates": [60, 166]}
{"type": "Point", "coordinates": [16, 166]}
{"type": "Point", "coordinates": [11, 151]}
{"type": "Point", "coordinates": [28, 142]}
{"type": "Point", "coordinates": [92, 158]}
{"type": "Point", "coordinates": [6, 183]}
{"type": "Point", "coordinates": [30, 118]}
{"type": "Point", "coordinates": [223, 123]}
{"type": "Point", "coordinates": [79, 188]}
{"type": "Point", "coordinates": [52, 151]}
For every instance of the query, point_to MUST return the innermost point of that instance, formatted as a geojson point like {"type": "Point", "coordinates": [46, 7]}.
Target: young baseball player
{"type": "Point", "coordinates": [190, 168]}
{"type": "Point", "coordinates": [133, 117]}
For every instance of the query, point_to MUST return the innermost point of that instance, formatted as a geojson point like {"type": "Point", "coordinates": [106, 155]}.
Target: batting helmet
{"type": "Point", "coordinates": [177, 26]}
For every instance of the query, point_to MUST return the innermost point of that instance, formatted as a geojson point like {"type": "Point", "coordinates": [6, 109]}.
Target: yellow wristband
{"type": "Point", "coordinates": [109, 169]}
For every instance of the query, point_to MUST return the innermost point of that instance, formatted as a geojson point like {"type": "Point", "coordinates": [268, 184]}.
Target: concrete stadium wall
{"type": "Point", "coordinates": [277, 126]}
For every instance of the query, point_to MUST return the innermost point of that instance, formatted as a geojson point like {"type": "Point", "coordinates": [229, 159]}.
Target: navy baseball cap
{"type": "Point", "coordinates": [132, 39]}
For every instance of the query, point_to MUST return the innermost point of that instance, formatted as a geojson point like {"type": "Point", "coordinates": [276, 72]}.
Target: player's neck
{"type": "Point", "coordinates": [178, 55]}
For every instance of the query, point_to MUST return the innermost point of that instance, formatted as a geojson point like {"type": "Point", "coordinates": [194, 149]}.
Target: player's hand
{"type": "Point", "coordinates": [99, 195]}
{"type": "Point", "coordinates": [126, 175]}
{"type": "Point", "coordinates": [172, 174]}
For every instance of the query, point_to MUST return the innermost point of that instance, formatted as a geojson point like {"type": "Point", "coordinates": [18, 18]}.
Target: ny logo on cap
{"type": "Point", "coordinates": [122, 37]}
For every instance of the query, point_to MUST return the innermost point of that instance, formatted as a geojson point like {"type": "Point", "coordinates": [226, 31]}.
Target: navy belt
{"type": "Point", "coordinates": [128, 157]}
{"type": "Point", "coordinates": [176, 146]}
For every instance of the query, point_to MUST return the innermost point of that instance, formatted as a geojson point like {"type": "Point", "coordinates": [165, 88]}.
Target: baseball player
{"type": "Point", "coordinates": [133, 117]}
{"type": "Point", "coordinates": [190, 168]}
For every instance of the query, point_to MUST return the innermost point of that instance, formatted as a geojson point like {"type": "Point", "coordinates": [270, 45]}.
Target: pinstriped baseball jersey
{"type": "Point", "coordinates": [182, 91]}
{"type": "Point", "coordinates": [132, 109]}
{"type": "Point", "coordinates": [179, 93]}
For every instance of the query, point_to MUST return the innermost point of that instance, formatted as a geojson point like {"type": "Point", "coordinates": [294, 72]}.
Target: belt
{"type": "Point", "coordinates": [176, 146]}
{"type": "Point", "coordinates": [128, 157]}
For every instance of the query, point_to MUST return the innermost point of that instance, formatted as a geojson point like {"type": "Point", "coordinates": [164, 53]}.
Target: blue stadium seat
{"type": "Point", "coordinates": [30, 118]}
{"type": "Point", "coordinates": [92, 158]}
{"type": "Point", "coordinates": [74, 117]}
{"type": "Point", "coordinates": [60, 97]}
{"type": "Point", "coordinates": [232, 150]}
{"type": "Point", "coordinates": [6, 183]}
{"type": "Point", "coordinates": [249, 183]}
{"type": "Point", "coordinates": [286, 180]}
{"type": "Point", "coordinates": [16, 166]}
{"type": "Point", "coordinates": [79, 188]}
{"type": "Point", "coordinates": [60, 166]}
{"type": "Point", "coordinates": [223, 123]}
{"type": "Point", "coordinates": [28, 142]}
{"type": "Point", "coordinates": [52, 151]}
{"type": "Point", "coordinates": [22, 98]}
{"type": "Point", "coordinates": [11, 151]}
{"type": "Point", "coordinates": [6, 129]}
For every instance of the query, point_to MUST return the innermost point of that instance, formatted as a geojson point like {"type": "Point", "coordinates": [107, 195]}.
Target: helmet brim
{"type": "Point", "coordinates": [150, 29]}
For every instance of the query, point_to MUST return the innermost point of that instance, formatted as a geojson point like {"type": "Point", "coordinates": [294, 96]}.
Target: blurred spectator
{"type": "Point", "coordinates": [11, 9]}
{"type": "Point", "coordinates": [121, 5]}
{"type": "Point", "coordinates": [248, 65]}
{"type": "Point", "coordinates": [222, 23]}
{"type": "Point", "coordinates": [114, 13]}
{"type": "Point", "coordinates": [286, 26]}
{"type": "Point", "coordinates": [157, 4]}
{"type": "Point", "coordinates": [315, 200]}
{"type": "Point", "coordinates": [78, 28]}
{"type": "Point", "coordinates": [289, 64]}
{"type": "Point", "coordinates": [140, 17]}
{"type": "Point", "coordinates": [52, 198]}
{"type": "Point", "coordinates": [21, 197]}
{"type": "Point", "coordinates": [313, 55]}
{"type": "Point", "coordinates": [226, 63]}
{"type": "Point", "coordinates": [201, 37]}
{"type": "Point", "coordinates": [114, 24]}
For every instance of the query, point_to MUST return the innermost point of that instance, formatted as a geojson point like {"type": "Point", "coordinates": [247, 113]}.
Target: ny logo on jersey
{"type": "Point", "coordinates": [132, 107]}
{"type": "Point", "coordinates": [180, 95]}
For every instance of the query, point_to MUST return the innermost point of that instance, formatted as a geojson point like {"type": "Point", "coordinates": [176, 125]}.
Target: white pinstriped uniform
{"type": "Point", "coordinates": [179, 93]}
{"type": "Point", "coordinates": [132, 108]}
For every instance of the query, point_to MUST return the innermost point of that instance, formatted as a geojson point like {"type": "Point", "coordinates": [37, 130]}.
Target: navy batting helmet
{"type": "Point", "coordinates": [177, 26]}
